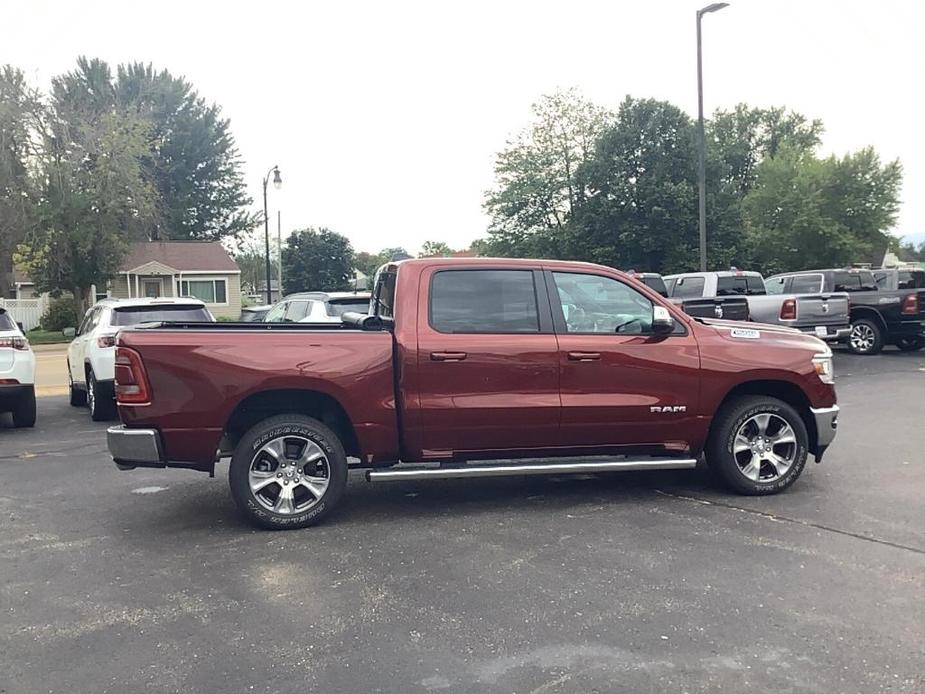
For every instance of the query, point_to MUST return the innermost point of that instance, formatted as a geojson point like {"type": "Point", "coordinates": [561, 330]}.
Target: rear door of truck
{"type": "Point", "coordinates": [487, 362]}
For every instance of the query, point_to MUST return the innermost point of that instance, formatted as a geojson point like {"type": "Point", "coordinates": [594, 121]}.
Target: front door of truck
{"type": "Point", "coordinates": [487, 361]}
{"type": "Point", "coordinates": [620, 384]}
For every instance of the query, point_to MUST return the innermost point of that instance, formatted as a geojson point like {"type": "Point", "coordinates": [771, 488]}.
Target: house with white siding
{"type": "Point", "coordinates": [201, 269]}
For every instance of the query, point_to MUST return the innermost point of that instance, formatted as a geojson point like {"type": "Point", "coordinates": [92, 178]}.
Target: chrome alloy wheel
{"type": "Point", "coordinates": [862, 337]}
{"type": "Point", "coordinates": [765, 447]}
{"type": "Point", "coordinates": [289, 474]}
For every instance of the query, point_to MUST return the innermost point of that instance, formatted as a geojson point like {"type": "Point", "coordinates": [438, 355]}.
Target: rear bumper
{"type": "Point", "coordinates": [907, 329]}
{"type": "Point", "coordinates": [131, 448]}
{"type": "Point", "coordinates": [11, 394]}
{"type": "Point", "coordinates": [826, 419]}
{"type": "Point", "coordinates": [832, 334]}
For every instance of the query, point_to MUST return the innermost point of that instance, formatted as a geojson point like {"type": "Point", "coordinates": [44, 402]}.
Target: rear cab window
{"type": "Point", "coordinates": [166, 313]}
{"type": "Point", "coordinates": [739, 285]}
{"type": "Point", "coordinates": [338, 307]}
{"type": "Point", "coordinates": [806, 284]}
{"type": "Point", "coordinates": [687, 287]}
{"type": "Point", "coordinates": [483, 301]}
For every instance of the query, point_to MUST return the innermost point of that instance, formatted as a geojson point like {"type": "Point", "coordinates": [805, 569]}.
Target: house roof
{"type": "Point", "coordinates": [184, 256]}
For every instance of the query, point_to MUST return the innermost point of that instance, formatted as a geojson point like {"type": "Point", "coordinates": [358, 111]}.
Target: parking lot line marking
{"type": "Point", "coordinates": [795, 521]}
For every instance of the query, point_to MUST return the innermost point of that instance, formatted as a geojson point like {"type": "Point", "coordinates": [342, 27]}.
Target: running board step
{"type": "Point", "coordinates": [513, 469]}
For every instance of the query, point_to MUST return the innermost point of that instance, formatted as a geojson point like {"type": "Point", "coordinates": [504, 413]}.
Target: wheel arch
{"type": "Point", "coordinates": [786, 391]}
{"type": "Point", "coordinates": [313, 403]}
{"type": "Point", "coordinates": [873, 314]}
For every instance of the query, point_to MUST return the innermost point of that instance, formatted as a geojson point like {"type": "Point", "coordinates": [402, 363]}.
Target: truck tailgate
{"type": "Point", "coordinates": [821, 309]}
{"type": "Point", "coordinates": [728, 307]}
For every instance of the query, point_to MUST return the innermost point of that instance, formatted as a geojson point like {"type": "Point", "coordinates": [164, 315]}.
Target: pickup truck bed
{"type": "Point", "coordinates": [472, 360]}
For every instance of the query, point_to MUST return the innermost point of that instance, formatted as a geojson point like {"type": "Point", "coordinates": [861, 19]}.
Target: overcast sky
{"type": "Point", "coordinates": [384, 117]}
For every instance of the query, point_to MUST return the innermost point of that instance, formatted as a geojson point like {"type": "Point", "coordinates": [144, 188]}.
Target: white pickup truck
{"type": "Point", "coordinates": [823, 314]}
{"type": "Point", "coordinates": [91, 355]}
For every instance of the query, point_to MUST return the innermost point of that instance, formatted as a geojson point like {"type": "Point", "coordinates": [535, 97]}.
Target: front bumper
{"type": "Point", "coordinates": [131, 448]}
{"type": "Point", "coordinates": [826, 419]}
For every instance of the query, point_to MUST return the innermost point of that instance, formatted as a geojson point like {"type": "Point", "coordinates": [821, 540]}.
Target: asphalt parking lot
{"type": "Point", "coordinates": [147, 581]}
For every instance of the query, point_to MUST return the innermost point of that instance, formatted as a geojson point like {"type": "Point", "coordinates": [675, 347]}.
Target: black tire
{"type": "Point", "coordinates": [910, 344]}
{"type": "Point", "coordinates": [102, 406]}
{"type": "Point", "coordinates": [723, 461]}
{"type": "Point", "coordinates": [24, 414]}
{"type": "Point", "coordinates": [866, 337]}
{"type": "Point", "coordinates": [247, 453]}
{"type": "Point", "coordinates": [78, 396]}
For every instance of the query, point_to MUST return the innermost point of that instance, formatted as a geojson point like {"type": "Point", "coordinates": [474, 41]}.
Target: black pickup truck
{"type": "Point", "coordinates": [879, 315]}
{"type": "Point", "coordinates": [728, 307]}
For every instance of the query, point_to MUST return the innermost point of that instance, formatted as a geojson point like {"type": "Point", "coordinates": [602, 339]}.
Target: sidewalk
{"type": "Point", "coordinates": [50, 370]}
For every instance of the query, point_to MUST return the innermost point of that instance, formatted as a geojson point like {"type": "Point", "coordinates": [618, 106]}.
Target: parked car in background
{"type": "Point", "coordinates": [17, 373]}
{"type": "Point", "coordinates": [878, 316]}
{"type": "Point", "coordinates": [254, 314]}
{"type": "Point", "coordinates": [91, 354]}
{"type": "Point", "coordinates": [470, 360]}
{"type": "Point", "coordinates": [728, 307]}
{"type": "Point", "coordinates": [317, 307]}
{"type": "Point", "coordinates": [824, 314]}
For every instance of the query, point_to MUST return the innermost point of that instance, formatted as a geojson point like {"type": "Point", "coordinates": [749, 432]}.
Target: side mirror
{"type": "Point", "coordinates": [69, 332]}
{"type": "Point", "coordinates": [662, 322]}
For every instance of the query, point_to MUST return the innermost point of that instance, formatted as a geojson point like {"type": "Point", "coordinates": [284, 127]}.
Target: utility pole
{"type": "Point", "coordinates": [279, 252]}
{"type": "Point", "coordinates": [701, 139]}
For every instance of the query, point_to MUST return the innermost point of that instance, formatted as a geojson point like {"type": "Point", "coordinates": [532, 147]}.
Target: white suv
{"type": "Point", "coordinates": [91, 356]}
{"type": "Point", "coordinates": [17, 373]}
{"type": "Point", "coordinates": [317, 307]}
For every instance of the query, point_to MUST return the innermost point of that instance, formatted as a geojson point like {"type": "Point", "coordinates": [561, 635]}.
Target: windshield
{"type": "Point", "coordinates": [176, 313]}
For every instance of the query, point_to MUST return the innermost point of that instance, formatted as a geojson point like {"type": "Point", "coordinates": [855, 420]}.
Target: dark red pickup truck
{"type": "Point", "coordinates": [466, 361]}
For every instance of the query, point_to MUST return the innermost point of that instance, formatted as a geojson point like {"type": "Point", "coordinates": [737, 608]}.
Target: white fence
{"type": "Point", "coordinates": [26, 311]}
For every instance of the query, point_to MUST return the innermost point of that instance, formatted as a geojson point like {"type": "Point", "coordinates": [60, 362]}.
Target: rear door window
{"type": "Point", "coordinates": [483, 301]}
{"type": "Point", "coordinates": [296, 311]}
{"type": "Point", "coordinates": [688, 287]}
{"type": "Point", "coordinates": [135, 315]}
{"type": "Point", "coordinates": [806, 284]}
{"type": "Point", "coordinates": [6, 323]}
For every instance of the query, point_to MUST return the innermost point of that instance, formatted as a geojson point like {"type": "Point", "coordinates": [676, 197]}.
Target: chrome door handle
{"type": "Point", "coordinates": [447, 356]}
{"type": "Point", "coordinates": [584, 356]}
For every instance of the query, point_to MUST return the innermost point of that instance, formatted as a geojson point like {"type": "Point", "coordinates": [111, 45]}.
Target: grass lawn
{"type": "Point", "coordinates": [46, 337]}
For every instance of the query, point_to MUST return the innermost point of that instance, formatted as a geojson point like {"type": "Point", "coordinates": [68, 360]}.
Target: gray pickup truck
{"type": "Point", "coordinates": [824, 314]}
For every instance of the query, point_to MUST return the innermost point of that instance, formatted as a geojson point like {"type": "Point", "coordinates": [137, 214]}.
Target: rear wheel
{"type": "Point", "coordinates": [24, 414]}
{"type": "Point", "coordinates": [910, 344]}
{"type": "Point", "coordinates": [758, 445]}
{"type": "Point", "coordinates": [102, 407]}
{"type": "Point", "coordinates": [866, 337]}
{"type": "Point", "coordinates": [288, 471]}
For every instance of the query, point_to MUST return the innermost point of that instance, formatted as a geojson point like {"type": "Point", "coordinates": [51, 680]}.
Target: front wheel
{"type": "Point", "coordinates": [758, 445]}
{"type": "Point", "coordinates": [866, 337]}
{"type": "Point", "coordinates": [910, 344]}
{"type": "Point", "coordinates": [288, 471]}
{"type": "Point", "coordinates": [24, 414]}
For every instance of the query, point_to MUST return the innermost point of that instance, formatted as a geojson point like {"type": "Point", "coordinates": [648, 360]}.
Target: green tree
{"type": "Point", "coordinates": [739, 140]}
{"type": "Point", "coordinates": [808, 212]}
{"type": "Point", "coordinates": [317, 260]}
{"type": "Point", "coordinates": [435, 249]}
{"type": "Point", "coordinates": [22, 112]}
{"type": "Point", "coordinates": [537, 191]}
{"type": "Point", "coordinates": [193, 159]}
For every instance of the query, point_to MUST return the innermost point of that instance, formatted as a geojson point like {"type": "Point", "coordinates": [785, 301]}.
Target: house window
{"type": "Point", "coordinates": [210, 291]}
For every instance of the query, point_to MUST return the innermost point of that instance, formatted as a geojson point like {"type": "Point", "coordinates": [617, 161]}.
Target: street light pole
{"type": "Point", "coordinates": [277, 182]}
{"type": "Point", "coordinates": [701, 139]}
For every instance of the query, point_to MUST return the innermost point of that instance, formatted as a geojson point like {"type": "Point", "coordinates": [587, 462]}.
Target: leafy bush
{"type": "Point", "coordinates": [61, 314]}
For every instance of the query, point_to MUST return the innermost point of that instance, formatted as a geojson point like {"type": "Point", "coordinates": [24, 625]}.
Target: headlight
{"type": "Point", "coordinates": [824, 368]}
